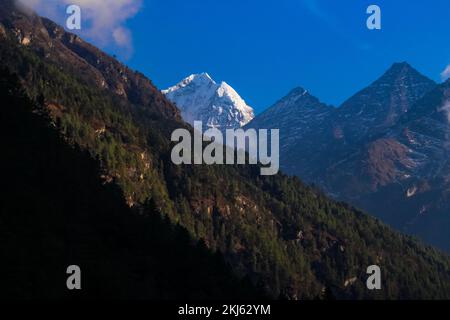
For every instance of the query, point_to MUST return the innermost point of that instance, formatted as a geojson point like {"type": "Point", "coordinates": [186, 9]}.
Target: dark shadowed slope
{"type": "Point", "coordinates": [283, 236]}
{"type": "Point", "coordinates": [55, 212]}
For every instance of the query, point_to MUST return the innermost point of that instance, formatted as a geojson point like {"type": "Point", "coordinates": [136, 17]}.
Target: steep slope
{"type": "Point", "coordinates": [340, 137]}
{"type": "Point", "coordinates": [361, 119]}
{"type": "Point", "coordinates": [420, 188]}
{"type": "Point", "coordinates": [200, 98]}
{"type": "Point", "coordinates": [380, 105]}
{"type": "Point", "coordinates": [315, 138]}
{"type": "Point", "coordinates": [49, 219]}
{"type": "Point", "coordinates": [288, 238]}
{"type": "Point", "coordinates": [296, 115]}
{"type": "Point", "coordinates": [384, 150]}
{"type": "Point", "coordinates": [393, 153]}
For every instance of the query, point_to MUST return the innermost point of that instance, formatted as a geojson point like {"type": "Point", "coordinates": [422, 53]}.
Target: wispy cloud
{"type": "Point", "coordinates": [446, 110]}
{"type": "Point", "coordinates": [446, 73]}
{"type": "Point", "coordinates": [104, 21]}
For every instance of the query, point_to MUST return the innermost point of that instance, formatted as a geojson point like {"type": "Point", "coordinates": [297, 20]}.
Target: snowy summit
{"type": "Point", "coordinates": [200, 98]}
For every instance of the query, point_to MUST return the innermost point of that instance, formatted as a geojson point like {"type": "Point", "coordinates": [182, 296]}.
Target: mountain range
{"type": "Point", "coordinates": [90, 180]}
{"type": "Point", "coordinates": [384, 150]}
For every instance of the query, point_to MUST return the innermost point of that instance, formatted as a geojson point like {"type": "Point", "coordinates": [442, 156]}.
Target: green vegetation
{"type": "Point", "coordinates": [284, 236]}
{"type": "Point", "coordinates": [55, 212]}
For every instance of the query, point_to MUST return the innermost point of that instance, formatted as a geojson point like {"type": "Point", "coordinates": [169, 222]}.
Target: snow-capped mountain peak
{"type": "Point", "coordinates": [218, 105]}
{"type": "Point", "coordinates": [197, 80]}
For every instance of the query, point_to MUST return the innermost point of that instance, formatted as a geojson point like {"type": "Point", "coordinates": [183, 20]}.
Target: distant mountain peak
{"type": "Point", "coordinates": [196, 79]}
{"type": "Point", "coordinates": [402, 69]}
{"type": "Point", "coordinates": [298, 91]}
{"type": "Point", "coordinates": [296, 115]}
{"type": "Point", "coordinates": [203, 77]}
{"type": "Point", "coordinates": [217, 105]}
{"type": "Point", "coordinates": [297, 98]}
{"type": "Point", "coordinates": [382, 103]}
{"type": "Point", "coordinates": [402, 64]}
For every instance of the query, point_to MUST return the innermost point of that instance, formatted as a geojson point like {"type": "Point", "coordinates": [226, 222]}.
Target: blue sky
{"type": "Point", "coordinates": [265, 48]}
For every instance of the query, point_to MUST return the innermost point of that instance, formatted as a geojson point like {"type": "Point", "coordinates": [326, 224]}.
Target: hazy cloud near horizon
{"type": "Point", "coordinates": [104, 21]}
{"type": "Point", "coordinates": [446, 73]}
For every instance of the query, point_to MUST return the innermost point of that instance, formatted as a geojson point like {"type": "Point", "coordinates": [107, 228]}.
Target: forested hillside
{"type": "Point", "coordinates": [285, 237]}
{"type": "Point", "coordinates": [56, 212]}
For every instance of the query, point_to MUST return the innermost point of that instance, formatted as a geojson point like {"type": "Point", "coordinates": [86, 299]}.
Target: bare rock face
{"type": "Point", "coordinates": [3, 34]}
{"type": "Point", "coordinates": [385, 149]}
{"type": "Point", "coordinates": [288, 238]}
{"type": "Point", "coordinates": [296, 115]}
{"type": "Point", "coordinates": [72, 53]}
{"type": "Point", "coordinates": [383, 103]}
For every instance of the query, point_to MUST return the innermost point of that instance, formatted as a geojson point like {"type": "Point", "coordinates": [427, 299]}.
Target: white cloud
{"type": "Point", "coordinates": [446, 109]}
{"type": "Point", "coordinates": [122, 36]}
{"type": "Point", "coordinates": [446, 73]}
{"type": "Point", "coordinates": [104, 21]}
